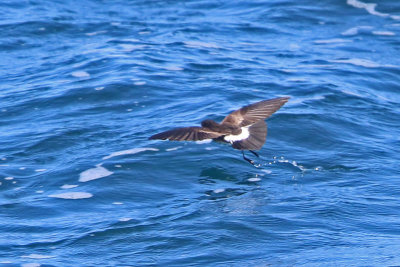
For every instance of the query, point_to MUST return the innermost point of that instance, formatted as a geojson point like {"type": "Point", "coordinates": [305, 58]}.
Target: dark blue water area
{"type": "Point", "coordinates": [83, 84]}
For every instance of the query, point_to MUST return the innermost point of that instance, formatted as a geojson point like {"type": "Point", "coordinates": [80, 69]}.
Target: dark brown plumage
{"type": "Point", "coordinates": [252, 113]}
{"type": "Point", "coordinates": [244, 128]}
{"type": "Point", "coordinates": [186, 134]}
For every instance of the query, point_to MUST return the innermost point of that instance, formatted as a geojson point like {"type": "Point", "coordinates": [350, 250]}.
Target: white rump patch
{"type": "Point", "coordinates": [243, 135]}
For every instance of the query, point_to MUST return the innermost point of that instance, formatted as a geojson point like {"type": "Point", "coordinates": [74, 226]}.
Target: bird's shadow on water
{"type": "Point", "coordinates": [232, 191]}
{"type": "Point", "coordinates": [226, 183]}
{"type": "Point", "coordinates": [212, 174]}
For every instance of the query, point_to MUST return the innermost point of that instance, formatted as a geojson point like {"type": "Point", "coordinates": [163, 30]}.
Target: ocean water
{"type": "Point", "coordinates": [83, 84]}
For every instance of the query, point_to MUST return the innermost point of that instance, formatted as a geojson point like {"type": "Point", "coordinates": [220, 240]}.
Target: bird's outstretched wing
{"type": "Point", "coordinates": [252, 113]}
{"type": "Point", "coordinates": [186, 134]}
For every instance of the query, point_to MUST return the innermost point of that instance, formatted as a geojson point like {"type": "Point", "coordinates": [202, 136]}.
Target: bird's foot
{"type": "Point", "coordinates": [255, 153]}
{"type": "Point", "coordinates": [248, 160]}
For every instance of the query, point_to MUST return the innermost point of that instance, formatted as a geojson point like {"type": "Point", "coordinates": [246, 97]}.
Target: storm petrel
{"type": "Point", "coordinates": [244, 129]}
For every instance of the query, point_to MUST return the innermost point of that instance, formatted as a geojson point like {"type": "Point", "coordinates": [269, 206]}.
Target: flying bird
{"type": "Point", "coordinates": [244, 129]}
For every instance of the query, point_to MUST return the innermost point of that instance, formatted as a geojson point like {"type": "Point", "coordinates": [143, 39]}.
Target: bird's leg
{"type": "Point", "coordinates": [247, 159]}
{"type": "Point", "coordinates": [255, 153]}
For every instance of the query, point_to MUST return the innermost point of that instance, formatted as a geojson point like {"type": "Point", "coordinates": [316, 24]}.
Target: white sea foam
{"type": "Point", "coordinates": [139, 83]}
{"type": "Point", "coordinates": [356, 30]}
{"type": "Point", "coordinates": [130, 40]}
{"type": "Point", "coordinates": [364, 63]}
{"type": "Point", "coordinates": [384, 33]}
{"type": "Point", "coordinates": [358, 62]}
{"type": "Point", "coordinates": [125, 219]}
{"type": "Point", "coordinates": [95, 33]}
{"type": "Point", "coordinates": [40, 170]}
{"type": "Point", "coordinates": [9, 178]}
{"type": "Point", "coordinates": [99, 88]}
{"type": "Point", "coordinates": [332, 41]}
{"type": "Point", "coordinates": [130, 152]}
{"type": "Point", "coordinates": [284, 70]}
{"type": "Point", "coordinates": [118, 203]}
{"type": "Point", "coordinates": [68, 186]}
{"type": "Point", "coordinates": [173, 148]}
{"type": "Point", "coordinates": [37, 256]}
{"type": "Point", "coordinates": [370, 8]}
{"type": "Point", "coordinates": [33, 264]}
{"type": "Point", "coordinates": [173, 68]}
{"type": "Point", "coordinates": [72, 195]}
{"type": "Point", "coordinates": [94, 173]}
{"type": "Point", "coordinates": [254, 179]}
{"type": "Point", "coordinates": [294, 47]}
{"type": "Point", "coordinates": [297, 79]}
{"type": "Point", "coordinates": [80, 74]}
{"type": "Point", "coordinates": [351, 31]}
{"type": "Point", "coordinates": [348, 92]}
{"type": "Point", "coordinates": [219, 190]}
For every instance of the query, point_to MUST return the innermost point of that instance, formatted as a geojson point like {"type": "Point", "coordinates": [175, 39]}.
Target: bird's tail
{"type": "Point", "coordinates": [256, 139]}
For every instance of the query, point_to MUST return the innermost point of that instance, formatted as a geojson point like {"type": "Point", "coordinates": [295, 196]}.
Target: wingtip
{"type": "Point", "coordinates": [156, 138]}
{"type": "Point", "coordinates": [283, 100]}
{"type": "Point", "coordinates": [153, 137]}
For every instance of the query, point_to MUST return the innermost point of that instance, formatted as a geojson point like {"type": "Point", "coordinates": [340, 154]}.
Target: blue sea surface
{"type": "Point", "coordinates": [83, 84]}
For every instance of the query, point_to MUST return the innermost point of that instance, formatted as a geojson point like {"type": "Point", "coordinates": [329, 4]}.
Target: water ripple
{"type": "Point", "coordinates": [83, 86]}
